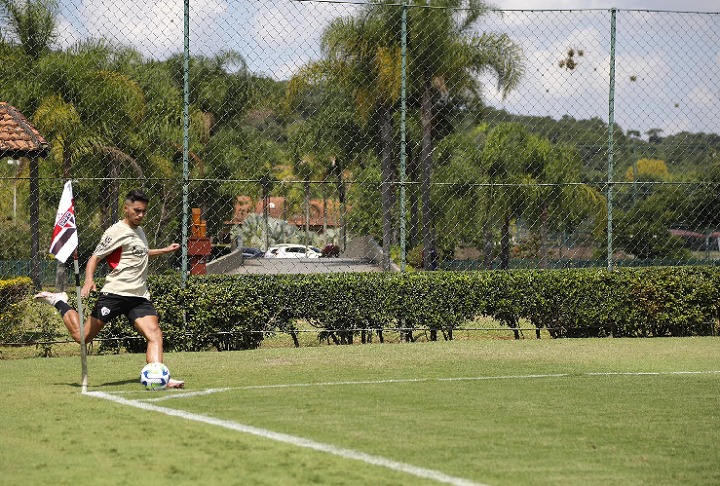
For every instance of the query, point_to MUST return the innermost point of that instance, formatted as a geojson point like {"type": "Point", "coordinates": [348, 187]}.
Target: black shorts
{"type": "Point", "coordinates": [109, 306]}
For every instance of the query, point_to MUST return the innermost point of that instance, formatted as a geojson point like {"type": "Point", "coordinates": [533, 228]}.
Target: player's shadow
{"type": "Point", "coordinates": [117, 383]}
{"type": "Point", "coordinates": [110, 383]}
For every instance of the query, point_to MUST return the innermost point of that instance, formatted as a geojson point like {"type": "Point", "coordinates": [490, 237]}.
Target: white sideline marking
{"type": "Point", "coordinates": [293, 440]}
{"type": "Point", "coordinates": [178, 394]}
{"type": "Point", "coordinates": [652, 373]}
{"type": "Point", "coordinates": [346, 383]}
{"type": "Point", "coordinates": [423, 380]}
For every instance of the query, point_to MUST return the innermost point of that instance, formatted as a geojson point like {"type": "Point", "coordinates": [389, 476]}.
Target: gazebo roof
{"type": "Point", "coordinates": [18, 138]}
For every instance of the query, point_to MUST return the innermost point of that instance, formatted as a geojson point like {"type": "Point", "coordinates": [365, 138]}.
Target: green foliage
{"type": "Point", "coordinates": [14, 294]}
{"type": "Point", "coordinates": [33, 24]}
{"type": "Point", "coordinates": [256, 232]}
{"type": "Point", "coordinates": [236, 312]}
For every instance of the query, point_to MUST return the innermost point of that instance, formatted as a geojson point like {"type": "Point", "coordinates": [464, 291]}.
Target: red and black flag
{"type": "Point", "coordinates": [65, 237]}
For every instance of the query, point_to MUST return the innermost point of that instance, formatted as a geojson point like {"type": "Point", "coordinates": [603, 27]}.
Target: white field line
{"type": "Point", "coordinates": [295, 441]}
{"type": "Point", "coordinates": [419, 380]}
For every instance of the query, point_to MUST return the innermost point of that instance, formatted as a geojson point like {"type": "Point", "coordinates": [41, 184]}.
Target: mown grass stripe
{"type": "Point", "coordinates": [421, 380]}
{"type": "Point", "coordinates": [294, 440]}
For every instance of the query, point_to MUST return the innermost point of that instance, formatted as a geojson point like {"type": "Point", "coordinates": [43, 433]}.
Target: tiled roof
{"type": "Point", "coordinates": [244, 205]}
{"type": "Point", "coordinates": [17, 136]}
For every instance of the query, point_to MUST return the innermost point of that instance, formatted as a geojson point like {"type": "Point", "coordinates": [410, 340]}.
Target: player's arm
{"type": "Point", "coordinates": [160, 251]}
{"type": "Point", "coordinates": [90, 268]}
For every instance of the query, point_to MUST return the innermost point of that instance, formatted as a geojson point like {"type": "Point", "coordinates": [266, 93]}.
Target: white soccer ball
{"type": "Point", "coordinates": [155, 376]}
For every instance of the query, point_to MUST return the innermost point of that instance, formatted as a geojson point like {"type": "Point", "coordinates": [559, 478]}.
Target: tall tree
{"type": "Point", "coordinates": [504, 155]}
{"type": "Point", "coordinates": [32, 23]}
{"type": "Point", "coordinates": [362, 56]}
{"type": "Point", "coordinates": [446, 55]}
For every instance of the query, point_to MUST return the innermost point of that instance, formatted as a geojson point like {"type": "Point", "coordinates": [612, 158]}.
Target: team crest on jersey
{"type": "Point", "coordinates": [104, 244]}
{"type": "Point", "coordinates": [138, 250]}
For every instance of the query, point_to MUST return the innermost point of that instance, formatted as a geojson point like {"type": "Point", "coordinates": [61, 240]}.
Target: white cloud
{"type": "Point", "coordinates": [686, 5]}
{"type": "Point", "coordinates": [154, 27]}
{"type": "Point", "coordinates": [67, 33]}
{"type": "Point", "coordinates": [704, 96]}
{"type": "Point", "coordinates": [299, 26]}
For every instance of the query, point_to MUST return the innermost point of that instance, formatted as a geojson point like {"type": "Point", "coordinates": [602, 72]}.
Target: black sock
{"type": "Point", "coordinates": [63, 307]}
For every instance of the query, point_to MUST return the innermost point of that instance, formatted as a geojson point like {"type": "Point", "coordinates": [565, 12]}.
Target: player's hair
{"type": "Point", "coordinates": [136, 195]}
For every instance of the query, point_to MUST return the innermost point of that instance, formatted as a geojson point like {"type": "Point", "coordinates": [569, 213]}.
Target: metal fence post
{"type": "Point", "coordinates": [186, 137]}
{"type": "Point", "coordinates": [611, 147]}
{"type": "Point", "coordinates": [403, 147]}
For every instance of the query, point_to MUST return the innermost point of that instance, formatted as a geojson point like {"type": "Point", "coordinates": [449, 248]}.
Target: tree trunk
{"type": "Point", "coordinates": [505, 243]}
{"type": "Point", "coordinates": [387, 186]}
{"type": "Point", "coordinates": [294, 336]}
{"type": "Point", "coordinates": [266, 204]}
{"type": "Point", "coordinates": [542, 251]}
{"type": "Point", "coordinates": [307, 213]}
{"type": "Point", "coordinates": [415, 223]}
{"type": "Point", "coordinates": [325, 217]}
{"type": "Point", "coordinates": [426, 122]}
{"type": "Point", "coordinates": [340, 185]}
{"type": "Point", "coordinates": [488, 245]}
{"type": "Point", "coordinates": [35, 258]}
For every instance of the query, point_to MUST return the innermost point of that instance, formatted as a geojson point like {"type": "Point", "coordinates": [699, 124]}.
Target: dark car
{"type": "Point", "coordinates": [248, 252]}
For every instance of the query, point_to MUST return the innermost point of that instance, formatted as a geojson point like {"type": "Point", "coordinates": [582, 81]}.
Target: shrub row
{"type": "Point", "coordinates": [236, 312]}
{"type": "Point", "coordinates": [14, 294]}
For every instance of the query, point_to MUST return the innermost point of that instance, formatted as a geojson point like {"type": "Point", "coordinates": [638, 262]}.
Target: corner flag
{"type": "Point", "coordinates": [65, 238]}
{"type": "Point", "coordinates": [64, 243]}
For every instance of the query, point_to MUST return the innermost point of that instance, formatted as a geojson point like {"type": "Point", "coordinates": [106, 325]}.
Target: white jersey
{"type": "Point", "coordinates": [126, 251]}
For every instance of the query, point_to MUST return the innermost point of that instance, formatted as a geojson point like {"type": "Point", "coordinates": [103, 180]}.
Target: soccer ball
{"type": "Point", "coordinates": [155, 376]}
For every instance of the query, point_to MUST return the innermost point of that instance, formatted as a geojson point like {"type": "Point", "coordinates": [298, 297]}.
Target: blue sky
{"type": "Point", "coordinates": [667, 65]}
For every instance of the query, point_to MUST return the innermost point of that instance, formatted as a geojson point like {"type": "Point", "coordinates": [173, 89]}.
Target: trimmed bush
{"type": "Point", "coordinates": [237, 312]}
{"type": "Point", "coordinates": [14, 296]}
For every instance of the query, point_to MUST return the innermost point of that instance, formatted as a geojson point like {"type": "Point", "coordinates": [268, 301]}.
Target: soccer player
{"type": "Point", "coordinates": [126, 251]}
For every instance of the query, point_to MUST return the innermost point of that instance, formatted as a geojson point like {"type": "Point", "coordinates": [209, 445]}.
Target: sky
{"type": "Point", "coordinates": [671, 5]}
{"type": "Point", "coordinates": [667, 64]}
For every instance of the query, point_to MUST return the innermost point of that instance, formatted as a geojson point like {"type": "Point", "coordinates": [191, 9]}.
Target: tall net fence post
{"type": "Point", "coordinates": [611, 141]}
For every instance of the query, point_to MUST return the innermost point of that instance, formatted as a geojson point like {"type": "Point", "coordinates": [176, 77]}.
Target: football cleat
{"type": "Point", "coordinates": [175, 384]}
{"type": "Point", "coordinates": [52, 298]}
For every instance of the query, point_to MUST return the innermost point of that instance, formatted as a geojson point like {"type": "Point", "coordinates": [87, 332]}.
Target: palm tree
{"type": "Point", "coordinates": [362, 56]}
{"type": "Point", "coordinates": [505, 154]}
{"type": "Point", "coordinates": [445, 56]}
{"type": "Point", "coordinates": [553, 198]}
{"type": "Point", "coordinates": [33, 23]}
{"type": "Point", "coordinates": [328, 135]}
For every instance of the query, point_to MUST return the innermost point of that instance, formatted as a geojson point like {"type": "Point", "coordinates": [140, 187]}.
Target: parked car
{"type": "Point", "coordinates": [292, 251]}
{"type": "Point", "coordinates": [248, 252]}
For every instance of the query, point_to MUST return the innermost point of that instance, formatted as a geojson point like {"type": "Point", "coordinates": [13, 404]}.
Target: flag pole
{"type": "Point", "coordinates": [64, 241]}
{"type": "Point", "coordinates": [83, 345]}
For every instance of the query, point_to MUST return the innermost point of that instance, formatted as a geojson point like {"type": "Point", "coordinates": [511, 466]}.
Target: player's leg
{"type": "Point", "coordinates": [146, 321]}
{"type": "Point", "coordinates": [149, 327]}
{"type": "Point", "coordinates": [70, 316]}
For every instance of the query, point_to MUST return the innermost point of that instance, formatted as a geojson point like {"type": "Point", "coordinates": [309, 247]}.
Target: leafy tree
{"type": "Point", "coordinates": [648, 170]}
{"type": "Point", "coordinates": [32, 23]}
{"type": "Point", "coordinates": [447, 56]}
{"type": "Point", "coordinates": [505, 155]}
{"type": "Point", "coordinates": [361, 55]}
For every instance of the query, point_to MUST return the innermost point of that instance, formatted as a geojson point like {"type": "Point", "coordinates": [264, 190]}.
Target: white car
{"type": "Point", "coordinates": [292, 251]}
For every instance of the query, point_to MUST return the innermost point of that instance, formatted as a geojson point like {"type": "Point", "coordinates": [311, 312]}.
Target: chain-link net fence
{"type": "Point", "coordinates": [286, 137]}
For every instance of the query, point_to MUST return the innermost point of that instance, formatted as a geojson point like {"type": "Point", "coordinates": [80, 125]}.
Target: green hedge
{"type": "Point", "coordinates": [236, 312]}
{"type": "Point", "coordinates": [14, 296]}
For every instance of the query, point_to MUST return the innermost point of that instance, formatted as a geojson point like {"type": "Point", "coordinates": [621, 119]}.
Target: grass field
{"type": "Point", "coordinates": [498, 412]}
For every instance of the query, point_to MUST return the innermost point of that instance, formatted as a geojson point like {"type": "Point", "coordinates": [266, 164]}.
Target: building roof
{"type": "Point", "coordinates": [18, 137]}
{"type": "Point", "coordinates": [321, 213]}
